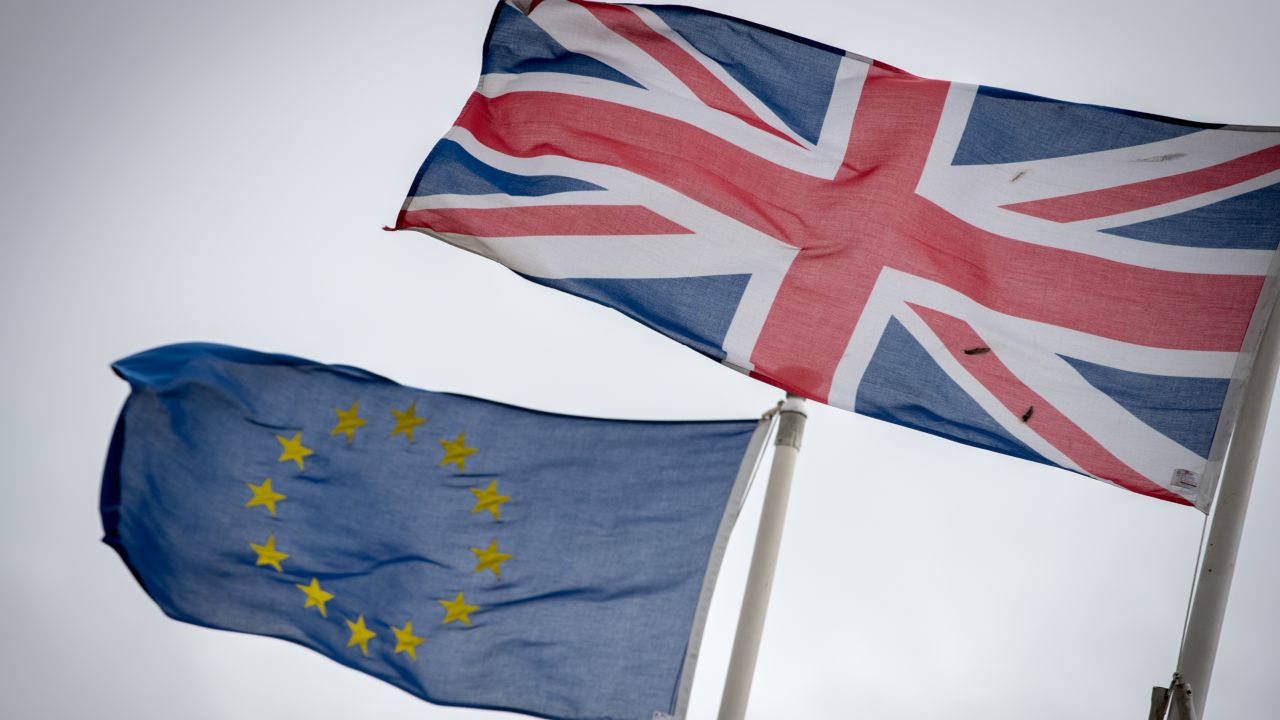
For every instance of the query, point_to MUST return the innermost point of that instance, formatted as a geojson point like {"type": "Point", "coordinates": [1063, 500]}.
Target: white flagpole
{"type": "Point", "coordinates": [1209, 604]}
{"type": "Point", "coordinates": [755, 601]}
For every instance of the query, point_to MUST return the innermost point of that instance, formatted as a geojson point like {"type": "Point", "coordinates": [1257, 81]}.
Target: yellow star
{"type": "Point", "coordinates": [268, 555]}
{"type": "Point", "coordinates": [293, 449]}
{"type": "Point", "coordinates": [458, 609]}
{"type": "Point", "coordinates": [360, 635]}
{"type": "Point", "coordinates": [406, 421]}
{"type": "Point", "coordinates": [489, 558]}
{"type": "Point", "coordinates": [316, 596]}
{"type": "Point", "coordinates": [456, 451]}
{"type": "Point", "coordinates": [348, 421]}
{"type": "Point", "coordinates": [489, 499]}
{"type": "Point", "coordinates": [264, 495]}
{"type": "Point", "coordinates": [406, 641]}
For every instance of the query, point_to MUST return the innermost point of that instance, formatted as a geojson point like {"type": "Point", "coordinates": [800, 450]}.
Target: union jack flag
{"type": "Point", "coordinates": [1072, 284]}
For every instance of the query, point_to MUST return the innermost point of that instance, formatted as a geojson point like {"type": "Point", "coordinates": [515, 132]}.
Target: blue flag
{"type": "Point", "coordinates": [469, 552]}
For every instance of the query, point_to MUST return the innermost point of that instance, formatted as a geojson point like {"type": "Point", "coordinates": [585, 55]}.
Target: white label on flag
{"type": "Point", "coordinates": [1186, 478]}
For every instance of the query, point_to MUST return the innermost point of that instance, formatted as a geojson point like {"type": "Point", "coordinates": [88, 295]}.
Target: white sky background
{"type": "Point", "coordinates": [178, 171]}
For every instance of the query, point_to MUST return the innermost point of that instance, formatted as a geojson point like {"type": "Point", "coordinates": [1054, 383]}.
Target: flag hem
{"type": "Point", "coordinates": [237, 354]}
{"type": "Point", "coordinates": [1263, 313]}
{"type": "Point", "coordinates": [732, 509]}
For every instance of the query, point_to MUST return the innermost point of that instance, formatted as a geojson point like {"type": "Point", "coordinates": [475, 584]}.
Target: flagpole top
{"type": "Point", "coordinates": [791, 418]}
{"type": "Point", "coordinates": [794, 404]}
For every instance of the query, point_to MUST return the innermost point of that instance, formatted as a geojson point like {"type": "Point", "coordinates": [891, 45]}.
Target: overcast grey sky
{"type": "Point", "coordinates": [180, 171]}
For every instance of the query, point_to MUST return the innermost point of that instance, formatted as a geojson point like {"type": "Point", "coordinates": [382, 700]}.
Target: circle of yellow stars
{"type": "Point", "coordinates": [456, 452]}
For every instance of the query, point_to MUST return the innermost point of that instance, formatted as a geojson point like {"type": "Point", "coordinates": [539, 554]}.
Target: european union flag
{"type": "Point", "coordinates": [469, 552]}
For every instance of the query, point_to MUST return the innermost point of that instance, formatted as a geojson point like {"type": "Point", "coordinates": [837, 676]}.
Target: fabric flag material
{"type": "Point", "coordinates": [469, 552]}
{"type": "Point", "coordinates": [1071, 284]}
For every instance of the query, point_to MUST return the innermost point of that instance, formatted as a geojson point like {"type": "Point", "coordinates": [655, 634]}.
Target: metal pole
{"type": "Point", "coordinates": [755, 601]}
{"type": "Point", "coordinates": [1182, 696]}
{"type": "Point", "coordinates": [1209, 605]}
